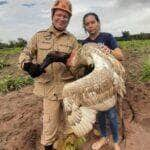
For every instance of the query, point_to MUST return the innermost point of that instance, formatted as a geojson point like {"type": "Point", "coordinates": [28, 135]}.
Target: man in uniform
{"type": "Point", "coordinates": [49, 82]}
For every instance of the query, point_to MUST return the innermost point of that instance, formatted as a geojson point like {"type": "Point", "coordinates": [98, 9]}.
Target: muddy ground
{"type": "Point", "coordinates": [21, 116]}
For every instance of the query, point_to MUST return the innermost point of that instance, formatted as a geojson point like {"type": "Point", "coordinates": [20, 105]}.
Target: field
{"type": "Point", "coordinates": [21, 111]}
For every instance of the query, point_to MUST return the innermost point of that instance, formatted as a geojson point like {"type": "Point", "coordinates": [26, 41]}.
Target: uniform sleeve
{"type": "Point", "coordinates": [76, 44]}
{"type": "Point", "coordinates": [76, 66]}
{"type": "Point", "coordinates": [77, 49]}
{"type": "Point", "coordinates": [112, 42]}
{"type": "Point", "coordinates": [29, 52]}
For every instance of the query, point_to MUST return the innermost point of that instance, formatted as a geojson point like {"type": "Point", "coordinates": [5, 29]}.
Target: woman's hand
{"type": "Point", "coordinates": [105, 49]}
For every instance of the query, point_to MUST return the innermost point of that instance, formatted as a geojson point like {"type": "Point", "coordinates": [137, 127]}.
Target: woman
{"type": "Point", "coordinates": [91, 24]}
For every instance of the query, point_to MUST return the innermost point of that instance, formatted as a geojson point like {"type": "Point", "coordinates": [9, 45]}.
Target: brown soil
{"type": "Point", "coordinates": [20, 120]}
{"type": "Point", "coordinates": [21, 117]}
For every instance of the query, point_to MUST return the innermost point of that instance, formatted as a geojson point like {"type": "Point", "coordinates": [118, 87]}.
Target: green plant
{"type": "Point", "coordinates": [79, 141]}
{"type": "Point", "coordinates": [9, 51]}
{"type": "Point", "coordinates": [139, 46]}
{"type": "Point", "coordinates": [145, 74]}
{"type": "Point", "coordinates": [10, 83]}
{"type": "Point", "coordinates": [74, 143]}
{"type": "Point", "coordinates": [3, 64]}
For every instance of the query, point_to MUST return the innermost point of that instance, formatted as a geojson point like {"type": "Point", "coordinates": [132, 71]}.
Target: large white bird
{"type": "Point", "coordinates": [94, 92]}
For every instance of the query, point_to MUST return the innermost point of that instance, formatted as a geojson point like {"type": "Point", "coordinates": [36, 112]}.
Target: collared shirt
{"type": "Point", "coordinates": [56, 32]}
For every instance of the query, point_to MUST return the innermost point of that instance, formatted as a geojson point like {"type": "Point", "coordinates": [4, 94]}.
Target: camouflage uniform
{"type": "Point", "coordinates": [49, 84]}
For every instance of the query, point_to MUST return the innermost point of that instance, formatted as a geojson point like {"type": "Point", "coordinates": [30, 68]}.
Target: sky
{"type": "Point", "coordinates": [23, 18]}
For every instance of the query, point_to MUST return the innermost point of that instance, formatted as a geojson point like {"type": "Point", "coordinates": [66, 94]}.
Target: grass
{"type": "Point", "coordinates": [136, 44]}
{"type": "Point", "coordinates": [3, 63]}
{"type": "Point", "coordinates": [10, 51]}
{"type": "Point", "coordinates": [139, 59]}
{"type": "Point", "coordinates": [137, 47]}
{"type": "Point", "coordinates": [145, 73]}
{"type": "Point", "coordinates": [11, 83]}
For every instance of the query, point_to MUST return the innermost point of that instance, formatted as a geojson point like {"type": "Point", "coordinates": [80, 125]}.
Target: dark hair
{"type": "Point", "coordinates": [90, 14]}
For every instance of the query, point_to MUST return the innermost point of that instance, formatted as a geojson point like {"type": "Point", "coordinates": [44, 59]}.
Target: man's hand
{"type": "Point", "coordinates": [34, 70]}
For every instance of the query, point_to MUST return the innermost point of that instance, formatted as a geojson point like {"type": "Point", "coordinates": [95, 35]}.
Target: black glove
{"type": "Point", "coordinates": [34, 70]}
{"type": "Point", "coordinates": [55, 56]}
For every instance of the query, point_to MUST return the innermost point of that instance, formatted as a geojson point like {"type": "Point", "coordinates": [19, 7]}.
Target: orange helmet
{"type": "Point", "coordinates": [63, 5]}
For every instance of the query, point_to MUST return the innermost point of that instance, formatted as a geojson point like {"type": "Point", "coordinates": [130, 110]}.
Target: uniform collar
{"type": "Point", "coordinates": [56, 32]}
